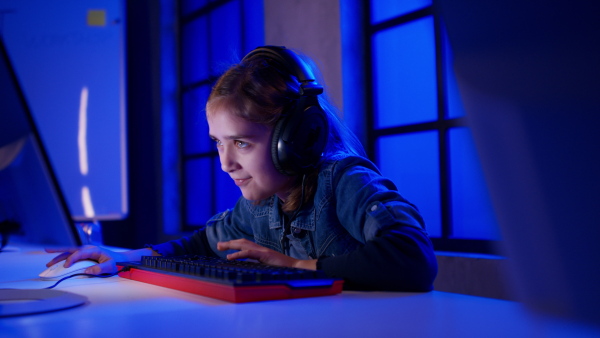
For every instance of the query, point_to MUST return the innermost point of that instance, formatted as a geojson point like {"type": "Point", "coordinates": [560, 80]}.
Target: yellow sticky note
{"type": "Point", "coordinates": [96, 17]}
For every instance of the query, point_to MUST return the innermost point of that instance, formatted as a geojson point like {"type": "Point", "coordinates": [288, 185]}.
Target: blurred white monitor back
{"type": "Point", "coordinates": [69, 58]}
{"type": "Point", "coordinates": [30, 195]}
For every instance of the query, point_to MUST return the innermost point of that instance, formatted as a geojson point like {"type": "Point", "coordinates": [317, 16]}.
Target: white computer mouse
{"type": "Point", "coordinates": [58, 270]}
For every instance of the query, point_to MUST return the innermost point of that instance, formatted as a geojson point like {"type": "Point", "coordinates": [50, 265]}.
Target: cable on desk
{"type": "Point", "coordinates": [102, 275]}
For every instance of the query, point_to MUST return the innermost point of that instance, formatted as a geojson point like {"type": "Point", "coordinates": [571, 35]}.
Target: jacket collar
{"type": "Point", "coordinates": [305, 220]}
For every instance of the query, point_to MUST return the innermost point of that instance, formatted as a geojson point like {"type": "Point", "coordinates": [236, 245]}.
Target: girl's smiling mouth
{"type": "Point", "coordinates": [241, 181]}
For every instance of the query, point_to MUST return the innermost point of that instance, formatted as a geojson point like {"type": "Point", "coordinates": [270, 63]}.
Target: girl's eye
{"type": "Point", "coordinates": [241, 144]}
{"type": "Point", "coordinates": [217, 142]}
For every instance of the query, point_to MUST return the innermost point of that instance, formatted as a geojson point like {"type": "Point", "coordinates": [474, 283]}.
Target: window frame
{"type": "Point", "coordinates": [442, 124]}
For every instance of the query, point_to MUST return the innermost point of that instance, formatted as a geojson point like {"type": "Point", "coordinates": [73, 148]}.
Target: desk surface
{"type": "Point", "coordinates": [120, 307]}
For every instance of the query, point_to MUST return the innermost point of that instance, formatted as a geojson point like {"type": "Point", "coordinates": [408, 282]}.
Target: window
{"type": "Point", "coordinates": [214, 34]}
{"type": "Point", "coordinates": [417, 131]}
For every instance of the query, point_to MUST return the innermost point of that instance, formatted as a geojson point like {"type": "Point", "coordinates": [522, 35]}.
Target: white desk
{"type": "Point", "coordinates": [120, 307]}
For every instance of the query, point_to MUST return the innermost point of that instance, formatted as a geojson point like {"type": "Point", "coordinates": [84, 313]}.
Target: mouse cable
{"type": "Point", "coordinates": [102, 275]}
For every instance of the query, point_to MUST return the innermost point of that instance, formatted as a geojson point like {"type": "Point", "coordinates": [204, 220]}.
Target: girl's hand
{"type": "Point", "coordinates": [249, 249]}
{"type": "Point", "coordinates": [106, 259]}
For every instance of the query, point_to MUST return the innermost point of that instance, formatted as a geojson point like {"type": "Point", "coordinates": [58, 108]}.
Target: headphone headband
{"type": "Point", "coordinates": [293, 64]}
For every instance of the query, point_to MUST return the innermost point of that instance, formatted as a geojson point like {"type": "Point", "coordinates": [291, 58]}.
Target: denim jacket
{"type": "Point", "coordinates": [358, 227]}
{"type": "Point", "coordinates": [353, 202]}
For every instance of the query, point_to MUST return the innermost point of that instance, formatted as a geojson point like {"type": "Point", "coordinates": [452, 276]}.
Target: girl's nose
{"type": "Point", "coordinates": [228, 160]}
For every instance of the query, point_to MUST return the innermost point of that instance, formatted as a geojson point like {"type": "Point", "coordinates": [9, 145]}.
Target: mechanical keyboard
{"type": "Point", "coordinates": [230, 280]}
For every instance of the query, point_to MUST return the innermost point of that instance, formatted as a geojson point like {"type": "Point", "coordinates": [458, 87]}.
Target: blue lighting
{"type": "Point", "coordinates": [405, 75]}
{"type": "Point", "coordinates": [195, 128]}
{"type": "Point", "coordinates": [385, 9]}
{"type": "Point", "coordinates": [411, 161]}
{"type": "Point", "coordinates": [472, 213]}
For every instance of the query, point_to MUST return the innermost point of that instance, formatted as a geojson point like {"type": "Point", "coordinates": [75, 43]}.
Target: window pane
{"type": "Point", "coordinates": [254, 30]}
{"type": "Point", "coordinates": [412, 162]}
{"type": "Point", "coordinates": [225, 37]}
{"type": "Point", "coordinates": [198, 178]}
{"type": "Point", "coordinates": [194, 56]}
{"type": "Point", "coordinates": [188, 6]}
{"type": "Point", "coordinates": [386, 9]}
{"type": "Point", "coordinates": [404, 74]}
{"type": "Point", "coordinates": [455, 106]}
{"type": "Point", "coordinates": [472, 213]}
{"type": "Point", "coordinates": [227, 193]}
{"type": "Point", "coordinates": [195, 128]}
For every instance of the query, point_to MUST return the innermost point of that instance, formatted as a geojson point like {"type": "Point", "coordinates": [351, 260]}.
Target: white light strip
{"type": "Point", "coordinates": [86, 201]}
{"type": "Point", "coordinates": [82, 134]}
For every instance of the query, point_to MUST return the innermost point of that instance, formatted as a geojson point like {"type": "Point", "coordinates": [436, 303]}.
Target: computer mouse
{"type": "Point", "coordinates": [58, 270]}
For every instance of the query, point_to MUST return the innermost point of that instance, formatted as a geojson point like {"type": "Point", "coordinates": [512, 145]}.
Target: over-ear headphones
{"type": "Point", "coordinates": [300, 135]}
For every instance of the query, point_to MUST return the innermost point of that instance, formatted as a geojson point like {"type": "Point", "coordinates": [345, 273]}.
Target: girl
{"type": "Point", "coordinates": [310, 197]}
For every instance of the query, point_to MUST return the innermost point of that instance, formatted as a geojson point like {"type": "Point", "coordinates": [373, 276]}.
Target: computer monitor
{"type": "Point", "coordinates": [69, 58]}
{"type": "Point", "coordinates": [30, 194]}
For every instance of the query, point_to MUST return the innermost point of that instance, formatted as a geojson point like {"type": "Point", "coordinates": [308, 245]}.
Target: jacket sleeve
{"type": "Point", "coordinates": [196, 244]}
{"type": "Point", "coordinates": [397, 254]}
{"type": "Point", "coordinates": [223, 226]}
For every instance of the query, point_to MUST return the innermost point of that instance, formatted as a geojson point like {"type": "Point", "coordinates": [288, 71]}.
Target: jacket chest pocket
{"type": "Point", "coordinates": [300, 245]}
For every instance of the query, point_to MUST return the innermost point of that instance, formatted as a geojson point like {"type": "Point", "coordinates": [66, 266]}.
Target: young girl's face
{"type": "Point", "coordinates": [245, 153]}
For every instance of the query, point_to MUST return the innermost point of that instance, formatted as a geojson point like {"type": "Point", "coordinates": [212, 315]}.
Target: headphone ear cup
{"type": "Point", "coordinates": [300, 137]}
{"type": "Point", "coordinates": [275, 142]}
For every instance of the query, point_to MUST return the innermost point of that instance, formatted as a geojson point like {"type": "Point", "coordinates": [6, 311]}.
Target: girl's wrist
{"type": "Point", "coordinates": [307, 264]}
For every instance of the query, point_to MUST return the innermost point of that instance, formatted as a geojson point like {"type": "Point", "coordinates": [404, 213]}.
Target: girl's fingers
{"type": "Point", "coordinates": [58, 258]}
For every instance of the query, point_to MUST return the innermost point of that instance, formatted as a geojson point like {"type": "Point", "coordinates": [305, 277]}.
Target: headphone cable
{"type": "Point", "coordinates": [285, 242]}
